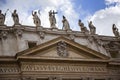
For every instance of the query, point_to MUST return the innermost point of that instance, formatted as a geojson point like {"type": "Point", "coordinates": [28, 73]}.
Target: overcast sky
{"type": "Point", "coordinates": [103, 13]}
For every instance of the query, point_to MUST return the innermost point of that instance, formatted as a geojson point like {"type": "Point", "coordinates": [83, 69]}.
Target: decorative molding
{"type": "Point", "coordinates": [72, 36]}
{"type": "Point", "coordinates": [55, 78]}
{"type": "Point", "coordinates": [41, 34]}
{"type": "Point", "coordinates": [91, 39]}
{"type": "Point", "coordinates": [62, 49]}
{"type": "Point", "coordinates": [19, 32]}
{"type": "Point", "coordinates": [8, 69]}
{"type": "Point", "coordinates": [4, 34]}
{"type": "Point", "coordinates": [62, 68]}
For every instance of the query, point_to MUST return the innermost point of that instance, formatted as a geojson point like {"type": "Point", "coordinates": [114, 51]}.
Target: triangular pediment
{"type": "Point", "coordinates": [61, 48]}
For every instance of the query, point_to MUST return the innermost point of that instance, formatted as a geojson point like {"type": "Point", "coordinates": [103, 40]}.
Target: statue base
{"type": "Point", "coordinates": [69, 30]}
{"type": "Point", "coordinates": [39, 28]}
{"type": "Point", "coordinates": [18, 26]}
{"type": "Point", "coordinates": [54, 29]}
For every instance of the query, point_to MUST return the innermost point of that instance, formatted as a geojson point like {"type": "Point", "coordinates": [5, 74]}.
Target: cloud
{"type": "Point", "coordinates": [25, 7]}
{"type": "Point", "coordinates": [109, 2]}
{"type": "Point", "coordinates": [104, 18]}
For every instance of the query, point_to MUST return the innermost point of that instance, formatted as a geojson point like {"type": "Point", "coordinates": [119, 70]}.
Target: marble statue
{"type": "Point", "coordinates": [2, 18]}
{"type": "Point", "coordinates": [82, 27]}
{"type": "Point", "coordinates": [52, 19]}
{"type": "Point", "coordinates": [66, 25]}
{"type": "Point", "coordinates": [115, 30]}
{"type": "Point", "coordinates": [36, 19]}
{"type": "Point", "coordinates": [92, 28]}
{"type": "Point", "coordinates": [15, 17]}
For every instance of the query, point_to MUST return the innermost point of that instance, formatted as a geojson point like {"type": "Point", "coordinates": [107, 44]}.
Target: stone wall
{"type": "Point", "coordinates": [15, 38]}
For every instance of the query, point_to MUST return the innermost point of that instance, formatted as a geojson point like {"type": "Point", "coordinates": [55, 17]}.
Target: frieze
{"type": "Point", "coordinates": [114, 70]}
{"type": "Point", "coordinates": [9, 70]}
{"type": "Point", "coordinates": [63, 68]}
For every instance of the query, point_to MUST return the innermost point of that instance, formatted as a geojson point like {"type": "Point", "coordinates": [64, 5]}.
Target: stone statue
{"type": "Point", "coordinates": [2, 18]}
{"type": "Point", "coordinates": [92, 28]}
{"type": "Point", "coordinates": [36, 19]}
{"type": "Point", "coordinates": [52, 19]}
{"type": "Point", "coordinates": [15, 17]}
{"type": "Point", "coordinates": [115, 30]}
{"type": "Point", "coordinates": [66, 25]}
{"type": "Point", "coordinates": [83, 28]}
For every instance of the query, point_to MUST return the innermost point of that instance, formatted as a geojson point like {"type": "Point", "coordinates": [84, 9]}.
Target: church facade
{"type": "Point", "coordinates": [38, 53]}
{"type": "Point", "coordinates": [30, 53]}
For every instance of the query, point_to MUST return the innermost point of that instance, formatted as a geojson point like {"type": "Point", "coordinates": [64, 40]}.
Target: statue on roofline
{"type": "Point", "coordinates": [92, 28]}
{"type": "Point", "coordinates": [82, 27]}
{"type": "Point", "coordinates": [15, 17]}
{"type": "Point", "coordinates": [2, 17]}
{"type": "Point", "coordinates": [52, 18]}
{"type": "Point", "coordinates": [36, 19]}
{"type": "Point", "coordinates": [115, 30]}
{"type": "Point", "coordinates": [66, 25]}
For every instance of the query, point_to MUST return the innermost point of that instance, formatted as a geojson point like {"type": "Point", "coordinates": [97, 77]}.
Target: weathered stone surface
{"type": "Point", "coordinates": [87, 57]}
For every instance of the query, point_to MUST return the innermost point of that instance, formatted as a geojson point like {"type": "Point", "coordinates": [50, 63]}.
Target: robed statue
{"type": "Point", "coordinates": [2, 18]}
{"type": "Point", "coordinates": [92, 28]}
{"type": "Point", "coordinates": [66, 25]}
{"type": "Point", "coordinates": [36, 19]}
{"type": "Point", "coordinates": [15, 17]}
{"type": "Point", "coordinates": [82, 27]}
{"type": "Point", "coordinates": [52, 19]}
{"type": "Point", "coordinates": [115, 30]}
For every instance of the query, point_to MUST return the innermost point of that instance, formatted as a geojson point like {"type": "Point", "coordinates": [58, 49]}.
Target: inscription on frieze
{"type": "Point", "coordinates": [9, 69]}
{"type": "Point", "coordinates": [64, 68]}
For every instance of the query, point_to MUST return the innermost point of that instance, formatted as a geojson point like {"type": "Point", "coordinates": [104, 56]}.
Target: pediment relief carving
{"type": "Point", "coordinates": [62, 48]}
{"type": "Point", "coordinates": [53, 53]}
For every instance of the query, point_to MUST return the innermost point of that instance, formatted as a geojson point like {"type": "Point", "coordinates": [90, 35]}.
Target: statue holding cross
{"type": "Point", "coordinates": [52, 18]}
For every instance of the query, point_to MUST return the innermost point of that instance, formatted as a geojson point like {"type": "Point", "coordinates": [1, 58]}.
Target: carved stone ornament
{"type": "Point", "coordinates": [62, 49]}
{"type": "Point", "coordinates": [19, 32]}
{"type": "Point", "coordinates": [72, 37]}
{"type": "Point", "coordinates": [4, 34]}
{"type": "Point", "coordinates": [41, 34]}
{"type": "Point", "coordinates": [39, 28]}
{"type": "Point", "coordinates": [97, 40]}
{"type": "Point", "coordinates": [90, 38]}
